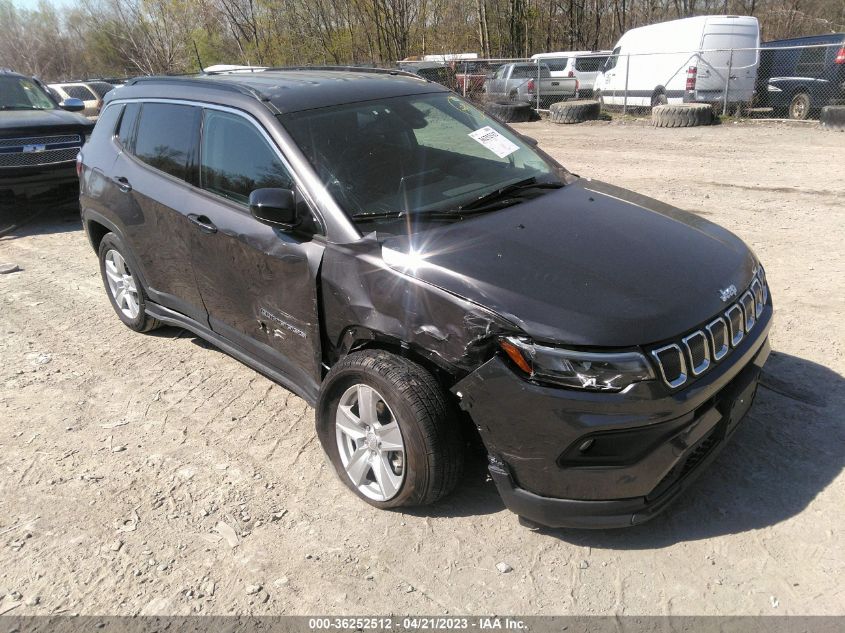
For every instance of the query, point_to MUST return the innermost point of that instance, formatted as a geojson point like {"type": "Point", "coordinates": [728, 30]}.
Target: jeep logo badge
{"type": "Point", "coordinates": [727, 293]}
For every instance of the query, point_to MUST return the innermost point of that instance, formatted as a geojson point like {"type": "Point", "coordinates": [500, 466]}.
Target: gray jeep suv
{"type": "Point", "coordinates": [417, 270]}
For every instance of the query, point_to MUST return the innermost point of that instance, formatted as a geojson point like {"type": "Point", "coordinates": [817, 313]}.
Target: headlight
{"type": "Point", "coordinates": [580, 370]}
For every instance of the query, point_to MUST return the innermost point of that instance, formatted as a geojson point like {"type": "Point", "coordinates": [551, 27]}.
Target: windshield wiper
{"type": "Point", "coordinates": [501, 197]}
{"type": "Point", "coordinates": [502, 192]}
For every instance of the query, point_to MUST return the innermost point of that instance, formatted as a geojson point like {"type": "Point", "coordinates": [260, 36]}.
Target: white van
{"type": "Point", "coordinates": [683, 61]}
{"type": "Point", "coordinates": [583, 65]}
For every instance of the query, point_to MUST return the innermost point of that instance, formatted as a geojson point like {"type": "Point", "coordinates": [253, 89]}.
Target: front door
{"type": "Point", "coordinates": [259, 284]}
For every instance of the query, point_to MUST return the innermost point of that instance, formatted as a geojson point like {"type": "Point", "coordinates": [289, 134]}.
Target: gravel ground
{"type": "Point", "coordinates": [153, 474]}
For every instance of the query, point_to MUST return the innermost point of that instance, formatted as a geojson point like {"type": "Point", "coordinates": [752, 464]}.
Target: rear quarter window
{"type": "Point", "coordinates": [589, 64]}
{"type": "Point", "coordinates": [166, 138]}
{"type": "Point", "coordinates": [126, 130]}
{"type": "Point", "coordinates": [80, 92]}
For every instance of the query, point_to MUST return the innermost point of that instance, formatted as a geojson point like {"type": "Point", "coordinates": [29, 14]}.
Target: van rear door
{"type": "Point", "coordinates": [729, 56]}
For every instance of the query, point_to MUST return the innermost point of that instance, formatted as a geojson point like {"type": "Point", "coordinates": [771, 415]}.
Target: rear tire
{"type": "Point", "coordinates": [833, 118]}
{"type": "Point", "coordinates": [123, 286]}
{"type": "Point", "coordinates": [510, 112]}
{"type": "Point", "coordinates": [405, 395]}
{"type": "Point", "coordinates": [682, 115]}
{"type": "Point", "coordinates": [799, 107]}
{"type": "Point", "coordinates": [574, 111]}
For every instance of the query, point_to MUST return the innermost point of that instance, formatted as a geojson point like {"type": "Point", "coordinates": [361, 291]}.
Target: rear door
{"type": "Point", "coordinates": [258, 283]}
{"type": "Point", "coordinates": [150, 179]}
{"type": "Point", "coordinates": [729, 57]}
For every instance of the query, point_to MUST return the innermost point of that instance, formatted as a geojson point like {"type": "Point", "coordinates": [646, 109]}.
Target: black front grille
{"type": "Point", "coordinates": [17, 143]}
{"type": "Point", "coordinates": [32, 159]}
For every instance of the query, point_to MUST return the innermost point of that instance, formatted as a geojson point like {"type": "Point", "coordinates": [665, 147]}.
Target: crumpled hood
{"type": "Point", "coordinates": [35, 120]}
{"type": "Point", "coordinates": [589, 264]}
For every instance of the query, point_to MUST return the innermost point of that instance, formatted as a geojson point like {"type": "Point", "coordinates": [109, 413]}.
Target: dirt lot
{"type": "Point", "coordinates": [122, 454]}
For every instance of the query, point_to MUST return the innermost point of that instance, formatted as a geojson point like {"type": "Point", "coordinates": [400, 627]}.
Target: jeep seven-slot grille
{"type": "Point", "coordinates": [39, 150]}
{"type": "Point", "coordinates": [696, 352]}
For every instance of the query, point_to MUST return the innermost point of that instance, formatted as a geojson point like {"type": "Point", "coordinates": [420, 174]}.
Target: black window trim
{"type": "Point", "coordinates": [242, 206]}
{"type": "Point", "coordinates": [194, 164]}
{"type": "Point", "coordinates": [190, 163]}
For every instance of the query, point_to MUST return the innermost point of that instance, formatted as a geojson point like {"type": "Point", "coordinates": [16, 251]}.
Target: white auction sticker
{"type": "Point", "coordinates": [494, 141]}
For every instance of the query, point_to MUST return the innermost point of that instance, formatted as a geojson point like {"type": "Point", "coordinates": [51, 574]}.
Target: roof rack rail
{"type": "Point", "coordinates": [198, 80]}
{"type": "Point", "coordinates": [359, 69]}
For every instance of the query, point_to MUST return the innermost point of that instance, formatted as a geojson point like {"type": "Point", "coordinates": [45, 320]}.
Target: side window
{"type": "Point", "coordinates": [127, 125]}
{"type": "Point", "coordinates": [611, 61]}
{"type": "Point", "coordinates": [810, 62]}
{"type": "Point", "coordinates": [589, 64]}
{"type": "Point", "coordinates": [235, 159]}
{"type": "Point", "coordinates": [166, 137]}
{"type": "Point", "coordinates": [556, 64]}
{"type": "Point", "coordinates": [80, 92]}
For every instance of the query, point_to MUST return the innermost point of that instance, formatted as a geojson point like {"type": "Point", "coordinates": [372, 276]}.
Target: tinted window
{"type": "Point", "coordinates": [235, 159]}
{"type": "Point", "coordinates": [166, 136]}
{"type": "Point", "coordinates": [556, 64]}
{"type": "Point", "coordinates": [611, 61]}
{"type": "Point", "coordinates": [810, 62]}
{"type": "Point", "coordinates": [127, 124]}
{"type": "Point", "coordinates": [100, 87]}
{"type": "Point", "coordinates": [589, 64]}
{"type": "Point", "coordinates": [80, 92]}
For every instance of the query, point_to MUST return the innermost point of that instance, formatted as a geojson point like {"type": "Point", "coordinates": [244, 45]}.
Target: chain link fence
{"type": "Point", "coordinates": [773, 81]}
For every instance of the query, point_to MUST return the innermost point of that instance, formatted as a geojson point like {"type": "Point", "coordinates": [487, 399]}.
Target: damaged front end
{"type": "Point", "coordinates": [369, 295]}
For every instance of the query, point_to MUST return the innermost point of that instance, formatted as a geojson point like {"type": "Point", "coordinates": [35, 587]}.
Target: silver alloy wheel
{"type": "Point", "coordinates": [370, 443]}
{"type": "Point", "coordinates": [122, 284]}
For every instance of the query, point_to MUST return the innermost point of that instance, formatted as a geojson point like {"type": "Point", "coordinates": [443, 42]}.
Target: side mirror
{"type": "Point", "coordinates": [275, 207]}
{"type": "Point", "coordinates": [72, 105]}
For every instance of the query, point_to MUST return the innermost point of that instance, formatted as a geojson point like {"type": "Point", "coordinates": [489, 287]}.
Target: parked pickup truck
{"type": "Point", "coordinates": [520, 82]}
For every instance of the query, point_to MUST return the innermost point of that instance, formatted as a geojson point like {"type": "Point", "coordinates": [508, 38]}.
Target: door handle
{"type": "Point", "coordinates": [123, 184]}
{"type": "Point", "coordinates": [203, 222]}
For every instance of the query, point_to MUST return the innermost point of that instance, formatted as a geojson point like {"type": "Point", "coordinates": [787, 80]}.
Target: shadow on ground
{"type": "Point", "coordinates": [23, 219]}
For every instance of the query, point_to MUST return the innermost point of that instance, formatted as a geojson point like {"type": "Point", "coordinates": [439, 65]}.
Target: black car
{"type": "Point", "coordinates": [39, 138]}
{"type": "Point", "coordinates": [799, 76]}
{"type": "Point", "coordinates": [406, 263]}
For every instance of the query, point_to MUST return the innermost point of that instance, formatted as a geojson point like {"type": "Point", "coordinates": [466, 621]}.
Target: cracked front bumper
{"type": "Point", "coordinates": [647, 444]}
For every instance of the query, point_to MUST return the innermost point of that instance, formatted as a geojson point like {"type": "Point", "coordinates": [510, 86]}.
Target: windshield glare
{"type": "Point", "coordinates": [412, 154]}
{"type": "Point", "coordinates": [19, 93]}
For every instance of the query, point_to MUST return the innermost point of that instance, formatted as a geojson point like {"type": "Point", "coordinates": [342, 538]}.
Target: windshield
{"type": "Point", "coordinates": [19, 93]}
{"type": "Point", "coordinates": [414, 155]}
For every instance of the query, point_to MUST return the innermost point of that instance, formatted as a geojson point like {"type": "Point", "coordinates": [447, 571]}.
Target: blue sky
{"type": "Point", "coordinates": [33, 4]}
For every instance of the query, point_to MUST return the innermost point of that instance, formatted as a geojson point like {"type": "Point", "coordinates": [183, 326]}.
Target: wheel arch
{"type": "Point", "coordinates": [97, 227]}
{"type": "Point", "coordinates": [357, 337]}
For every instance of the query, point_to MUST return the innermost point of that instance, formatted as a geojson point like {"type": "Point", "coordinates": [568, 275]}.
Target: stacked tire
{"type": "Point", "coordinates": [574, 111]}
{"type": "Point", "coordinates": [682, 115]}
{"type": "Point", "coordinates": [510, 112]}
{"type": "Point", "coordinates": [833, 117]}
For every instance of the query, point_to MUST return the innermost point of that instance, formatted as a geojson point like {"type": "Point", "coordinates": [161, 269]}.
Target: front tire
{"type": "Point", "coordinates": [389, 430]}
{"type": "Point", "coordinates": [123, 287]}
